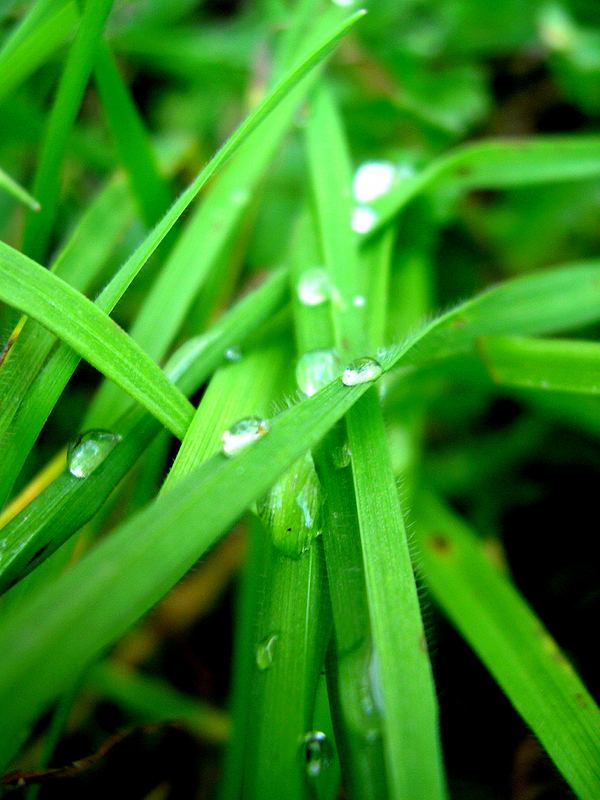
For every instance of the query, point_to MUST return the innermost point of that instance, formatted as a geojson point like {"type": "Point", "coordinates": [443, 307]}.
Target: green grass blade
{"type": "Point", "coordinates": [11, 186]}
{"type": "Point", "coordinates": [91, 605]}
{"type": "Point", "coordinates": [398, 660]}
{"type": "Point", "coordinates": [133, 146]}
{"type": "Point", "coordinates": [46, 186]}
{"type": "Point", "coordinates": [151, 700]}
{"type": "Point", "coordinates": [56, 514]}
{"type": "Point", "coordinates": [551, 365]}
{"type": "Point", "coordinates": [34, 41]}
{"type": "Point", "coordinates": [84, 327]}
{"type": "Point", "coordinates": [496, 164]}
{"type": "Point", "coordinates": [512, 643]}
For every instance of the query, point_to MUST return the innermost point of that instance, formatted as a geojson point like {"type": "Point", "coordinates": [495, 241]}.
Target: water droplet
{"type": "Point", "coordinates": [359, 301]}
{"type": "Point", "coordinates": [243, 433]}
{"type": "Point", "coordinates": [233, 353]}
{"type": "Point", "coordinates": [316, 369]}
{"type": "Point", "coordinates": [361, 370]}
{"type": "Point", "coordinates": [372, 179]}
{"type": "Point", "coordinates": [88, 450]}
{"type": "Point", "coordinates": [364, 219]}
{"type": "Point", "coordinates": [341, 456]}
{"type": "Point", "coordinates": [314, 287]}
{"type": "Point", "coordinates": [318, 753]}
{"type": "Point", "coordinates": [343, 3]}
{"type": "Point", "coordinates": [265, 652]}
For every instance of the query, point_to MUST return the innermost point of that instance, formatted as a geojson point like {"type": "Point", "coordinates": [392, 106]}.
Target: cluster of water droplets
{"type": "Point", "coordinates": [87, 451]}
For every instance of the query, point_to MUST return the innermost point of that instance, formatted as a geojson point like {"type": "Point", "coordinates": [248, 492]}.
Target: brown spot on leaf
{"type": "Point", "coordinates": [440, 544]}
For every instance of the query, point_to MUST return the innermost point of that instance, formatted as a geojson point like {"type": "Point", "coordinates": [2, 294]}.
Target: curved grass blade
{"type": "Point", "coordinates": [496, 164]}
{"type": "Point", "coordinates": [84, 327]}
{"type": "Point", "coordinates": [90, 606]}
{"type": "Point", "coordinates": [513, 644]}
{"type": "Point", "coordinates": [133, 146]}
{"type": "Point", "coordinates": [46, 185]}
{"type": "Point", "coordinates": [555, 365]}
{"type": "Point", "coordinates": [69, 502]}
{"type": "Point", "coordinates": [17, 191]}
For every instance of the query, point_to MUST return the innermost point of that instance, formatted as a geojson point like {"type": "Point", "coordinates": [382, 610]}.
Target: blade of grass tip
{"type": "Point", "coordinates": [46, 185]}
{"type": "Point", "coordinates": [33, 42]}
{"type": "Point", "coordinates": [91, 333]}
{"type": "Point", "coordinates": [133, 146]}
{"type": "Point", "coordinates": [149, 699]}
{"type": "Point", "coordinates": [513, 644]}
{"type": "Point", "coordinates": [78, 263]}
{"type": "Point", "coordinates": [214, 222]}
{"type": "Point", "coordinates": [398, 660]}
{"type": "Point", "coordinates": [493, 164]}
{"type": "Point", "coordinates": [558, 365]}
{"type": "Point", "coordinates": [17, 191]}
{"type": "Point", "coordinates": [69, 502]}
{"type": "Point", "coordinates": [91, 605]}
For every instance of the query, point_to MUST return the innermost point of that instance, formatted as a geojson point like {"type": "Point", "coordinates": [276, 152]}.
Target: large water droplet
{"type": "Point", "coordinates": [316, 369]}
{"type": "Point", "coordinates": [88, 450]}
{"type": "Point", "coordinates": [361, 370]}
{"type": "Point", "coordinates": [372, 179]}
{"type": "Point", "coordinates": [233, 353]}
{"type": "Point", "coordinates": [364, 219]}
{"type": "Point", "coordinates": [318, 753]}
{"type": "Point", "coordinates": [314, 287]}
{"type": "Point", "coordinates": [243, 433]}
{"type": "Point", "coordinates": [265, 652]}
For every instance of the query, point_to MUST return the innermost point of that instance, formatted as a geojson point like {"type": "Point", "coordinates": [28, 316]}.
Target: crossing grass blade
{"type": "Point", "coordinates": [57, 513]}
{"type": "Point", "coordinates": [558, 365]}
{"type": "Point", "coordinates": [78, 66]}
{"type": "Point", "coordinates": [496, 164]}
{"type": "Point", "coordinates": [11, 186]}
{"type": "Point", "coordinates": [513, 644]}
{"type": "Point", "coordinates": [84, 327]}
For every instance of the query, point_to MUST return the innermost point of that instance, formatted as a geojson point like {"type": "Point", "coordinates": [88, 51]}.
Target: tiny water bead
{"type": "Point", "coordinates": [361, 370]}
{"type": "Point", "coordinates": [314, 287]}
{"type": "Point", "coordinates": [265, 652]}
{"type": "Point", "coordinates": [373, 179]}
{"type": "Point", "coordinates": [318, 753]}
{"type": "Point", "coordinates": [359, 301]}
{"type": "Point", "coordinates": [364, 219]}
{"type": "Point", "coordinates": [88, 450]}
{"type": "Point", "coordinates": [242, 434]}
{"type": "Point", "coordinates": [344, 3]}
{"type": "Point", "coordinates": [233, 353]}
{"type": "Point", "coordinates": [316, 369]}
{"type": "Point", "coordinates": [341, 456]}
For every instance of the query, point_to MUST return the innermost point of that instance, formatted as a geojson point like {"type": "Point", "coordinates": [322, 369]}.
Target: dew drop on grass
{"type": "Point", "coordinates": [361, 370]}
{"type": "Point", "coordinates": [343, 3]}
{"type": "Point", "coordinates": [233, 353]}
{"type": "Point", "coordinates": [314, 287]}
{"type": "Point", "coordinates": [318, 753]}
{"type": "Point", "coordinates": [316, 369]}
{"type": "Point", "coordinates": [242, 434]}
{"type": "Point", "coordinates": [265, 652]}
{"type": "Point", "coordinates": [341, 456]}
{"type": "Point", "coordinates": [88, 450]}
{"type": "Point", "coordinates": [364, 219]}
{"type": "Point", "coordinates": [359, 300]}
{"type": "Point", "coordinates": [373, 179]}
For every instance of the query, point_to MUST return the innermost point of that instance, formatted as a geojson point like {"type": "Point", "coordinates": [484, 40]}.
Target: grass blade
{"type": "Point", "coordinates": [17, 191]}
{"type": "Point", "coordinates": [84, 327]}
{"type": "Point", "coordinates": [512, 643]}
{"type": "Point", "coordinates": [558, 365]}
{"type": "Point", "coordinates": [77, 69]}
